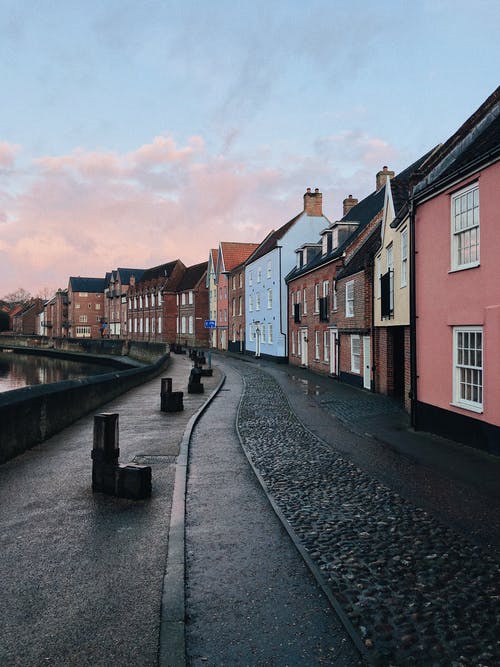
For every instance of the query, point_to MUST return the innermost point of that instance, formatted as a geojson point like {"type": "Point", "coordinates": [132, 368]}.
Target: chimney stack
{"type": "Point", "coordinates": [348, 203]}
{"type": "Point", "coordinates": [382, 177]}
{"type": "Point", "coordinates": [313, 202]}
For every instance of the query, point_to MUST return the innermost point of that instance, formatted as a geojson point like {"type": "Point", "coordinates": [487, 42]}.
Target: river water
{"type": "Point", "coordinates": [21, 370]}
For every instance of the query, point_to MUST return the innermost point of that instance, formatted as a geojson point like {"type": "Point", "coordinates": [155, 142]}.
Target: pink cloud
{"type": "Point", "coordinates": [8, 153]}
{"type": "Point", "coordinates": [90, 211]}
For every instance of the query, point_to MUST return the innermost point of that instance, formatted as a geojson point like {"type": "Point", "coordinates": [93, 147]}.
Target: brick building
{"type": "Point", "coordinates": [192, 307]}
{"type": "Point", "coordinates": [116, 301]}
{"type": "Point", "coordinates": [85, 307]}
{"type": "Point", "coordinates": [26, 320]}
{"type": "Point", "coordinates": [56, 320]}
{"type": "Point", "coordinates": [152, 303]}
{"type": "Point", "coordinates": [316, 313]}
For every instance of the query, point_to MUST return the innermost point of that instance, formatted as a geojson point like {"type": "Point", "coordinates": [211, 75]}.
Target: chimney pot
{"type": "Point", "coordinates": [382, 177]}
{"type": "Point", "coordinates": [348, 203]}
{"type": "Point", "coordinates": [313, 203]}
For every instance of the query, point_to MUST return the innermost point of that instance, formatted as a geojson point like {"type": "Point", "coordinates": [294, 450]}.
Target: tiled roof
{"type": "Point", "coordinates": [234, 254]}
{"type": "Point", "coordinates": [161, 271]}
{"type": "Point", "coordinates": [363, 213]}
{"type": "Point", "coordinates": [363, 256]}
{"type": "Point", "coordinates": [79, 284]}
{"type": "Point", "coordinates": [485, 146]}
{"type": "Point", "coordinates": [126, 274]}
{"type": "Point", "coordinates": [192, 276]}
{"type": "Point", "coordinates": [472, 142]}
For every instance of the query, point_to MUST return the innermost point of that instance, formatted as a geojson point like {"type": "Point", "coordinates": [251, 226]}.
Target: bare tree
{"type": "Point", "coordinates": [20, 295]}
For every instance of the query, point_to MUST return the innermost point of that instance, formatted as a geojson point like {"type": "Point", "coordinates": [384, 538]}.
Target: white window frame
{"type": "Point", "coordinates": [465, 224]}
{"type": "Point", "coordinates": [316, 298]}
{"type": "Point", "coordinates": [250, 304]}
{"type": "Point", "coordinates": [240, 304]}
{"type": "Point", "coordinates": [259, 274]}
{"type": "Point", "coordinates": [250, 278]}
{"type": "Point", "coordinates": [349, 299]}
{"type": "Point", "coordinates": [304, 302]}
{"type": "Point", "coordinates": [190, 297]}
{"type": "Point", "coordinates": [404, 257]}
{"type": "Point", "coordinates": [257, 301]}
{"type": "Point", "coordinates": [293, 343]}
{"type": "Point", "coordinates": [268, 270]}
{"type": "Point", "coordinates": [263, 332]}
{"type": "Point", "coordinates": [190, 324]}
{"type": "Point", "coordinates": [183, 324]}
{"type": "Point", "coordinates": [468, 368]}
{"type": "Point", "coordinates": [269, 298]}
{"type": "Point", "coordinates": [326, 337]}
{"type": "Point", "coordinates": [159, 324]}
{"type": "Point", "coordinates": [270, 333]}
{"type": "Point", "coordinates": [316, 346]}
{"type": "Point", "coordinates": [355, 353]}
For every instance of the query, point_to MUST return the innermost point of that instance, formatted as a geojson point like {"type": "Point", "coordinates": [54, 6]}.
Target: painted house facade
{"type": "Point", "coordinates": [230, 255]}
{"type": "Point", "coordinates": [456, 309]}
{"type": "Point", "coordinates": [85, 307]}
{"type": "Point", "coordinates": [212, 294]}
{"type": "Point", "coordinates": [391, 294]}
{"type": "Point", "coordinates": [266, 291]}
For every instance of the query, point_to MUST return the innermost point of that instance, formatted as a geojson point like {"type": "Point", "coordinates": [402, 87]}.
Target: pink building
{"type": "Point", "coordinates": [456, 300]}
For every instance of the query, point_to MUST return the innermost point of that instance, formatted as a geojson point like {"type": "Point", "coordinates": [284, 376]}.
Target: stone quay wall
{"type": "Point", "coordinates": [30, 415]}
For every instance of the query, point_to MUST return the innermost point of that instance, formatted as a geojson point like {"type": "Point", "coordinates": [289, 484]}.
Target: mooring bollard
{"type": "Point", "coordinates": [108, 476]}
{"type": "Point", "coordinates": [194, 385]}
{"type": "Point", "coordinates": [170, 401]}
{"type": "Point", "coordinates": [105, 453]}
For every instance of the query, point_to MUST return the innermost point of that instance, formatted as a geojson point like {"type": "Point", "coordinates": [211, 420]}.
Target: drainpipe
{"type": "Point", "coordinates": [413, 317]}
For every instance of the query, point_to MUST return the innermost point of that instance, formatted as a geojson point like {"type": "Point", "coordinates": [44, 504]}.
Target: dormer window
{"type": "Point", "coordinates": [299, 259]}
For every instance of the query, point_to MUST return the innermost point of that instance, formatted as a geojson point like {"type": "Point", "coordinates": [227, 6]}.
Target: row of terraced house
{"type": "Point", "coordinates": [400, 296]}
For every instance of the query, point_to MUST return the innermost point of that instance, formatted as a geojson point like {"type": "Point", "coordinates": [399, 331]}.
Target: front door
{"type": "Point", "coordinates": [333, 352]}
{"type": "Point", "coordinates": [303, 347]}
{"type": "Point", "coordinates": [367, 376]}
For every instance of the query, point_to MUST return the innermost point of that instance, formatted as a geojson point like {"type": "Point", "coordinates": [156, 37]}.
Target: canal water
{"type": "Point", "coordinates": [21, 370]}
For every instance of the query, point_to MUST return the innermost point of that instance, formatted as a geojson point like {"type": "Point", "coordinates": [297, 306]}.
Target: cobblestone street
{"type": "Point", "coordinates": [416, 591]}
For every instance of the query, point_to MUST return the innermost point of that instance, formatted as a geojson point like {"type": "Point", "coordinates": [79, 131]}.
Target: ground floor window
{"type": "Point", "coordinates": [269, 333]}
{"type": "Point", "coordinates": [83, 332]}
{"type": "Point", "coordinates": [355, 354]}
{"type": "Point", "coordinates": [468, 367]}
{"type": "Point", "coordinates": [316, 345]}
{"type": "Point", "coordinates": [326, 335]}
{"type": "Point", "coordinates": [293, 342]}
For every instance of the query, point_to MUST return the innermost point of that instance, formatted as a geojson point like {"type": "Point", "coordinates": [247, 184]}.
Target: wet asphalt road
{"type": "Point", "coordinates": [250, 599]}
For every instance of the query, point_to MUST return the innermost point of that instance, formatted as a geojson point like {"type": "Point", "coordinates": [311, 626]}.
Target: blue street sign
{"type": "Point", "coordinates": [209, 324]}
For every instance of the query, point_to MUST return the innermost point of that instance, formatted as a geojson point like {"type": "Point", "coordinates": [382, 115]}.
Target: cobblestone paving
{"type": "Point", "coordinates": [417, 592]}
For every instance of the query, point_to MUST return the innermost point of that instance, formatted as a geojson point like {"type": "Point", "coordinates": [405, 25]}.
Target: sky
{"type": "Point", "coordinates": [137, 132]}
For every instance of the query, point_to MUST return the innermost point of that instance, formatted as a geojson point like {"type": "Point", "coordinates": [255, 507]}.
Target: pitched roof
{"type": "Point", "coordinates": [79, 284]}
{"type": "Point", "coordinates": [192, 276]}
{"type": "Point", "coordinates": [160, 271]}
{"type": "Point", "coordinates": [473, 142]}
{"type": "Point", "coordinates": [363, 256]}
{"type": "Point", "coordinates": [233, 253]}
{"type": "Point", "coordinates": [271, 240]}
{"type": "Point", "coordinates": [363, 213]}
{"type": "Point", "coordinates": [401, 184]}
{"type": "Point", "coordinates": [485, 145]}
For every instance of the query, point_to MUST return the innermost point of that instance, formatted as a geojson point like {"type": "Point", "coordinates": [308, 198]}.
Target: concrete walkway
{"type": "Point", "coordinates": [81, 574]}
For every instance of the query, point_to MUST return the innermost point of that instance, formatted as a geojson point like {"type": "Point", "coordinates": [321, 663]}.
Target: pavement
{"type": "Point", "coordinates": [86, 579]}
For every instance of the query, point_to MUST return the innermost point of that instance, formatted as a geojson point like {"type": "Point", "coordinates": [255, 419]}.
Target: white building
{"type": "Point", "coordinates": [266, 293]}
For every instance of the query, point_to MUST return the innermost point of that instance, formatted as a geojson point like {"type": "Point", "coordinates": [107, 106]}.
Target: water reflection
{"type": "Point", "coordinates": [21, 370]}
{"type": "Point", "coordinates": [309, 387]}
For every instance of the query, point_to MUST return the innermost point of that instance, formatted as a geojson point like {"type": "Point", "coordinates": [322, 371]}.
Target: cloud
{"type": "Point", "coordinates": [8, 154]}
{"type": "Point", "coordinates": [88, 212]}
